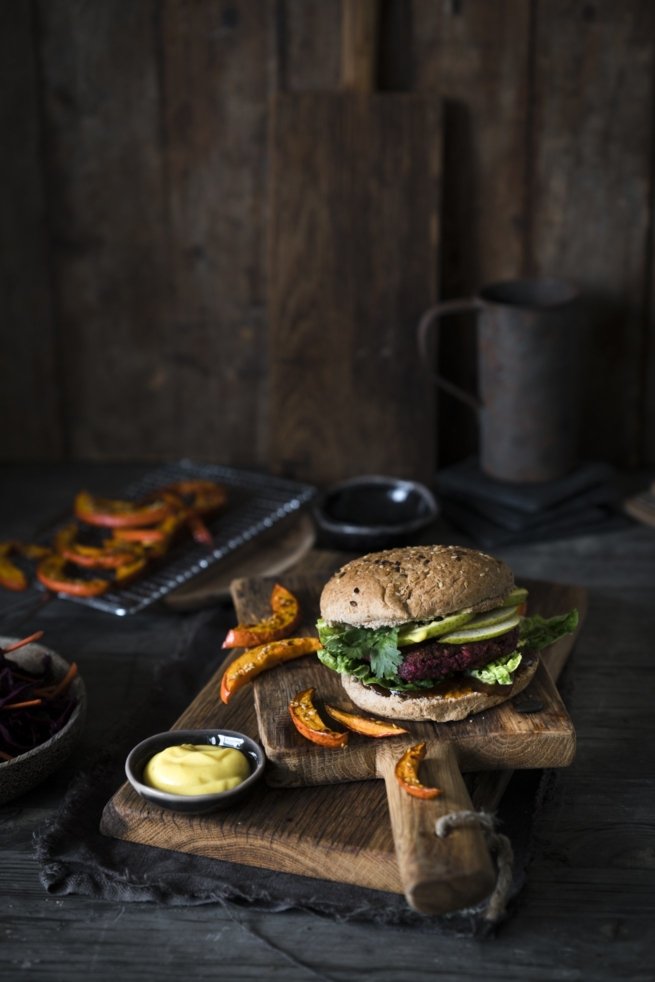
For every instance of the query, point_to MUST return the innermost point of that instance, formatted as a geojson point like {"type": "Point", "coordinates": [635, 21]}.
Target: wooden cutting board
{"type": "Point", "coordinates": [338, 833]}
{"type": "Point", "coordinates": [439, 874]}
{"type": "Point", "coordinates": [503, 737]}
{"type": "Point", "coordinates": [354, 223]}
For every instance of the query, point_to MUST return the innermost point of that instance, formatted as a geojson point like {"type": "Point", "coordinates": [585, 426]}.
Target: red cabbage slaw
{"type": "Point", "coordinates": [34, 705]}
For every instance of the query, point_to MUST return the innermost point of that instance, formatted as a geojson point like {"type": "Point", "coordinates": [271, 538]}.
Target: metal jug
{"type": "Point", "coordinates": [528, 404]}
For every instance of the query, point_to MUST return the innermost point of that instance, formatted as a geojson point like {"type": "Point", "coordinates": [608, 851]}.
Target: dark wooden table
{"type": "Point", "coordinates": [587, 910]}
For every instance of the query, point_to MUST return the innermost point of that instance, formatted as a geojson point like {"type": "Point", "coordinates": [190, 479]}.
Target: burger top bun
{"type": "Point", "coordinates": [414, 583]}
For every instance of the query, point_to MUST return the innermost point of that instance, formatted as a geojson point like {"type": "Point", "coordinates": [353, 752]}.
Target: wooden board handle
{"type": "Point", "coordinates": [359, 44]}
{"type": "Point", "coordinates": [438, 875]}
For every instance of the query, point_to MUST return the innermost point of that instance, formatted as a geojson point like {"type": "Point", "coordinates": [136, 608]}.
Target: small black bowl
{"type": "Point", "coordinates": [197, 804]}
{"type": "Point", "coordinates": [374, 512]}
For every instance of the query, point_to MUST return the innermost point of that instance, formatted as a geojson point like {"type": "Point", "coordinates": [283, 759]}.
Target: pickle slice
{"type": "Point", "coordinates": [495, 616]}
{"type": "Point", "coordinates": [517, 597]}
{"type": "Point", "coordinates": [473, 633]}
{"type": "Point", "coordinates": [444, 626]}
{"type": "Point", "coordinates": [433, 629]}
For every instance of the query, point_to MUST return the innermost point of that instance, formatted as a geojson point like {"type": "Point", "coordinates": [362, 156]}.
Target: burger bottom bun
{"type": "Point", "coordinates": [455, 701]}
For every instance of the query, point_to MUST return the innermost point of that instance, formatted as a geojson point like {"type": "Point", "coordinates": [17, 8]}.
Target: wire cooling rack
{"type": "Point", "coordinates": [256, 502]}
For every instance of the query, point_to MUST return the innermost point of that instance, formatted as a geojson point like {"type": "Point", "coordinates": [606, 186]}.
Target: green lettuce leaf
{"type": "Point", "coordinates": [538, 632]}
{"type": "Point", "coordinates": [362, 670]}
{"type": "Point", "coordinates": [373, 656]}
{"type": "Point", "coordinates": [498, 672]}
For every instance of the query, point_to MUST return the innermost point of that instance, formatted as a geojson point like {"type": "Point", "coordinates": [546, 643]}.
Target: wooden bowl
{"type": "Point", "coordinates": [24, 772]}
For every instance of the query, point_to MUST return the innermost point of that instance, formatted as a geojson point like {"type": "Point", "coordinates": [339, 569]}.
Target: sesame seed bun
{"type": "Point", "coordinates": [415, 583]}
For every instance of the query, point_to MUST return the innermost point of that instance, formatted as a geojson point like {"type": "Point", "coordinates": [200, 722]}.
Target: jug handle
{"type": "Point", "coordinates": [427, 322]}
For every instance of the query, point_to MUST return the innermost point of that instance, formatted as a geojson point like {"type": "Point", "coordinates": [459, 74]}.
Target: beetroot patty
{"type": "Point", "coordinates": [432, 660]}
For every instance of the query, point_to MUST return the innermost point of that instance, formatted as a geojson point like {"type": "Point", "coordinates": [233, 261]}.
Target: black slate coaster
{"type": "Point", "coordinates": [489, 535]}
{"type": "Point", "coordinates": [517, 520]}
{"type": "Point", "coordinates": [466, 481]}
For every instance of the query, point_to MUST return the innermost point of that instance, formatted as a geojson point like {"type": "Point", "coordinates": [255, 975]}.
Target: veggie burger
{"type": "Point", "coordinates": [431, 632]}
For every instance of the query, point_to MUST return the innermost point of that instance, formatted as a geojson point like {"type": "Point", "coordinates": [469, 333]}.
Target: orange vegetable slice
{"type": "Point", "coordinates": [309, 724]}
{"type": "Point", "coordinates": [32, 550]}
{"type": "Point", "coordinates": [254, 661]}
{"type": "Point", "coordinates": [109, 556]}
{"type": "Point", "coordinates": [114, 513]}
{"type": "Point", "coordinates": [196, 498]}
{"type": "Point", "coordinates": [280, 624]}
{"type": "Point", "coordinates": [51, 571]}
{"type": "Point", "coordinates": [201, 496]}
{"type": "Point", "coordinates": [65, 537]}
{"type": "Point", "coordinates": [11, 576]}
{"type": "Point", "coordinates": [23, 641]}
{"type": "Point", "coordinates": [406, 772]}
{"type": "Point", "coordinates": [127, 572]}
{"type": "Point", "coordinates": [155, 538]}
{"type": "Point", "coordinates": [366, 725]}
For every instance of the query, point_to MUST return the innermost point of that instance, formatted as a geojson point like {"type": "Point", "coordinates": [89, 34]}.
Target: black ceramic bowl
{"type": "Point", "coordinates": [197, 804]}
{"type": "Point", "coordinates": [374, 512]}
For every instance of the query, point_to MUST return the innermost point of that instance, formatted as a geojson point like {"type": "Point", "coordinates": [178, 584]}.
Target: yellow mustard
{"type": "Point", "coordinates": [196, 769]}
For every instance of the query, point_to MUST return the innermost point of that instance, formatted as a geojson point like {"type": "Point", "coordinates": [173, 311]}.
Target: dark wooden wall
{"type": "Point", "coordinates": [133, 190]}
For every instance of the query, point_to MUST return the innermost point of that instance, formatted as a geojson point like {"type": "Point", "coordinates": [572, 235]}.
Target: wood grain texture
{"type": "Point", "coordinates": [134, 217]}
{"type": "Point", "coordinates": [484, 89]}
{"type": "Point", "coordinates": [439, 875]}
{"type": "Point", "coordinates": [308, 41]}
{"type": "Point", "coordinates": [593, 105]}
{"type": "Point", "coordinates": [496, 739]}
{"type": "Point", "coordinates": [296, 830]}
{"type": "Point", "coordinates": [30, 407]}
{"type": "Point", "coordinates": [353, 255]}
{"type": "Point", "coordinates": [359, 44]}
{"type": "Point", "coordinates": [156, 125]}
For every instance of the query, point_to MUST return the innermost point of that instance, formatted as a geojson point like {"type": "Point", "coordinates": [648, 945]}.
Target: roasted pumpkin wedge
{"type": "Point", "coordinates": [309, 724]}
{"type": "Point", "coordinates": [254, 661]}
{"type": "Point", "coordinates": [406, 772]}
{"type": "Point", "coordinates": [115, 513]}
{"type": "Point", "coordinates": [365, 725]}
{"type": "Point", "coordinates": [51, 572]}
{"type": "Point", "coordinates": [280, 624]}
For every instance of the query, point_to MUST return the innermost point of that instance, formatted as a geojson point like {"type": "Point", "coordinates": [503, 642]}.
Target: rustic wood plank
{"type": "Point", "coordinates": [30, 411]}
{"type": "Point", "coordinates": [497, 739]}
{"type": "Point", "coordinates": [591, 190]}
{"type": "Point", "coordinates": [308, 44]}
{"type": "Point", "coordinates": [106, 188]}
{"type": "Point", "coordinates": [353, 262]}
{"type": "Point", "coordinates": [156, 120]}
{"type": "Point", "coordinates": [474, 56]}
{"type": "Point", "coordinates": [214, 76]}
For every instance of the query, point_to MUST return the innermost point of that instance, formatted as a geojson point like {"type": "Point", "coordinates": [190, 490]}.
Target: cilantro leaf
{"type": "Point", "coordinates": [377, 648]}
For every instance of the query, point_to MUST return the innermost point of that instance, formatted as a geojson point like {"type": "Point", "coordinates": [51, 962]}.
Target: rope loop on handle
{"type": "Point", "coordinates": [498, 844]}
